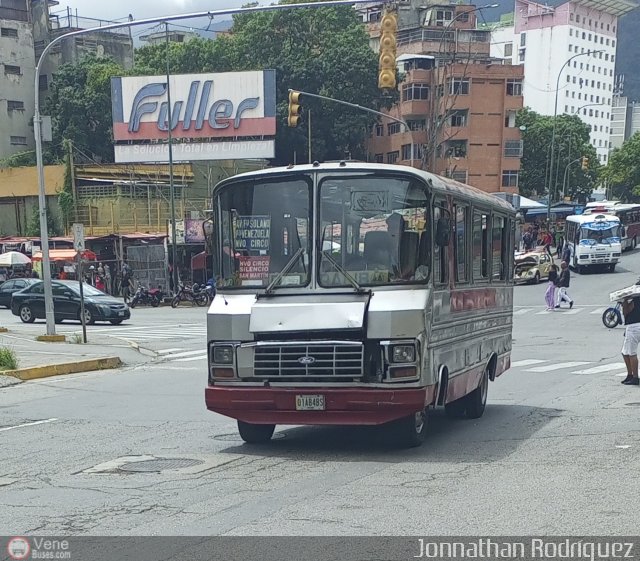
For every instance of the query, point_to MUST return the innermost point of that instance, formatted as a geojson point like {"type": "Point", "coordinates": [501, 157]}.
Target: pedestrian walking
{"type": "Point", "coordinates": [563, 283]}
{"type": "Point", "coordinates": [559, 246]}
{"type": "Point", "coordinates": [631, 311]}
{"type": "Point", "coordinates": [566, 253]}
{"type": "Point", "coordinates": [550, 294]}
{"type": "Point", "coordinates": [107, 278]}
{"type": "Point", "coordinates": [527, 240]}
{"type": "Point", "coordinates": [546, 241]}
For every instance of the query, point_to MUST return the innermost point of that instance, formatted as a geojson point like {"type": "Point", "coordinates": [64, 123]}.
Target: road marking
{"type": "Point", "coordinates": [601, 368]}
{"type": "Point", "coordinates": [186, 353]}
{"type": "Point", "coordinates": [545, 312]}
{"type": "Point", "coordinates": [522, 312]}
{"type": "Point", "coordinates": [573, 312]}
{"type": "Point", "coordinates": [622, 374]}
{"type": "Point", "coordinates": [165, 351]}
{"type": "Point", "coordinates": [558, 366]}
{"type": "Point", "coordinates": [527, 362]}
{"type": "Point", "coordinates": [623, 446]}
{"type": "Point", "coordinates": [598, 311]}
{"type": "Point", "coordinates": [191, 359]}
{"type": "Point", "coordinates": [33, 423]}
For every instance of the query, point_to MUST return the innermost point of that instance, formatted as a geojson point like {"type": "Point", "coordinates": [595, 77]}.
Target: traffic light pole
{"type": "Point", "coordinates": [356, 106]}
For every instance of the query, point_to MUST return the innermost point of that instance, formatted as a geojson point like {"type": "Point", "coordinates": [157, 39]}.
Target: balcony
{"type": "Point", "coordinates": [13, 14]}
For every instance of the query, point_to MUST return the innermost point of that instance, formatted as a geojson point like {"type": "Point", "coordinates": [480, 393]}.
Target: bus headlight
{"type": "Point", "coordinates": [223, 354]}
{"type": "Point", "coordinates": [403, 354]}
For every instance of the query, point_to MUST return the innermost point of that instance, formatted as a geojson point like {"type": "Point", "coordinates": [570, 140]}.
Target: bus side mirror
{"type": "Point", "coordinates": [443, 232]}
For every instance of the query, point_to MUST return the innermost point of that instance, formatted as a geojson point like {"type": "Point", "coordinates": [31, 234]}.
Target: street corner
{"type": "Point", "coordinates": [7, 381]}
{"type": "Point", "coordinates": [61, 369]}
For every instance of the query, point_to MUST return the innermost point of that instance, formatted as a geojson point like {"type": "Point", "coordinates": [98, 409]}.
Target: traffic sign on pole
{"type": "Point", "coordinates": [78, 237]}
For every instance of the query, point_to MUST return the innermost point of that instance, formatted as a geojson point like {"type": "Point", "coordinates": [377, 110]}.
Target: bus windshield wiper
{"type": "Point", "coordinates": [272, 285]}
{"type": "Point", "coordinates": [353, 282]}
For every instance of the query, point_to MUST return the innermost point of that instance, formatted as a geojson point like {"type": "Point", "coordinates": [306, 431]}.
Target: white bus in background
{"type": "Point", "coordinates": [594, 240]}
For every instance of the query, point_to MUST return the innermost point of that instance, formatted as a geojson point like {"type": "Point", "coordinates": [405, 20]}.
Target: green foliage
{"type": "Point", "coordinates": [65, 196]}
{"type": "Point", "coordinates": [21, 159]}
{"type": "Point", "coordinates": [33, 225]}
{"type": "Point", "coordinates": [80, 106]}
{"type": "Point", "coordinates": [623, 170]}
{"type": "Point", "coordinates": [8, 359]}
{"type": "Point", "coordinates": [319, 50]}
{"type": "Point", "coordinates": [571, 143]}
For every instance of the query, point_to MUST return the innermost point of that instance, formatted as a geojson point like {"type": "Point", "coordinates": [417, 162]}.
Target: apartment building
{"type": "Point", "coordinates": [17, 75]}
{"type": "Point", "coordinates": [459, 103]}
{"type": "Point", "coordinates": [26, 27]}
{"type": "Point", "coordinates": [625, 121]}
{"type": "Point", "coordinates": [569, 58]}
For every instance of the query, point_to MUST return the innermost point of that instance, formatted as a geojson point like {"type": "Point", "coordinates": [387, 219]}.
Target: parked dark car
{"type": "Point", "coordinates": [7, 288]}
{"type": "Point", "coordinates": [28, 303]}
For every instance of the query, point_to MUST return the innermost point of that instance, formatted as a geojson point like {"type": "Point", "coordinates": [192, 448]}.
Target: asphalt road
{"type": "Point", "coordinates": [555, 453]}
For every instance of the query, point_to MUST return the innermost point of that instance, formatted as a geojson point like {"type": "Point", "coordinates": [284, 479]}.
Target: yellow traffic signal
{"type": "Point", "coordinates": [585, 163]}
{"type": "Point", "coordinates": [294, 109]}
{"type": "Point", "coordinates": [387, 62]}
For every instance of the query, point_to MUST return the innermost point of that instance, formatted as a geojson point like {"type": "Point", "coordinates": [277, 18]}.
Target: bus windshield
{"type": "Point", "coordinates": [374, 229]}
{"type": "Point", "coordinates": [600, 232]}
{"type": "Point", "coordinates": [264, 232]}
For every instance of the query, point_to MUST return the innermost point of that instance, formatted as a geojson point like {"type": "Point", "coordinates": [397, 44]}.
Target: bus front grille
{"type": "Point", "coordinates": [322, 359]}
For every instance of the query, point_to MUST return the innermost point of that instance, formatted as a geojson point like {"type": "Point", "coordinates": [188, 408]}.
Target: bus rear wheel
{"type": "Point", "coordinates": [411, 431]}
{"type": "Point", "coordinates": [477, 399]}
{"type": "Point", "coordinates": [255, 434]}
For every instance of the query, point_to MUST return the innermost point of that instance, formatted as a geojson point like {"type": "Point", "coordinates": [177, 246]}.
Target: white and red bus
{"type": "Point", "coordinates": [629, 215]}
{"type": "Point", "coordinates": [356, 294]}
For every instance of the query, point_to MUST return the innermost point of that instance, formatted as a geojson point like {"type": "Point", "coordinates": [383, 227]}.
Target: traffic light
{"type": "Point", "coordinates": [585, 163]}
{"type": "Point", "coordinates": [387, 62]}
{"type": "Point", "coordinates": [294, 109]}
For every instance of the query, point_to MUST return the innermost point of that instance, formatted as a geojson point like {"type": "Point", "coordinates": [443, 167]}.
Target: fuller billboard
{"type": "Point", "coordinates": [223, 116]}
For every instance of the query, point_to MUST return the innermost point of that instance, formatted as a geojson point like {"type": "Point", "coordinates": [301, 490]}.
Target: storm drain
{"type": "Point", "coordinates": [160, 464]}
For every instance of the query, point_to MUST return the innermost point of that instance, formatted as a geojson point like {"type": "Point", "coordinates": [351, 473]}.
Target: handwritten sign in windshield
{"type": "Point", "coordinates": [252, 233]}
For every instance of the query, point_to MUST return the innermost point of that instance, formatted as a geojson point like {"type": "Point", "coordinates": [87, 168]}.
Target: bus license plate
{"type": "Point", "coordinates": [310, 403]}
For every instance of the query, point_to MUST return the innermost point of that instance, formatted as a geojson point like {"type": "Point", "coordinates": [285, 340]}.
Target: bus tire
{"type": "Point", "coordinates": [411, 431]}
{"type": "Point", "coordinates": [612, 268]}
{"type": "Point", "coordinates": [255, 434]}
{"type": "Point", "coordinates": [634, 243]}
{"type": "Point", "coordinates": [477, 399]}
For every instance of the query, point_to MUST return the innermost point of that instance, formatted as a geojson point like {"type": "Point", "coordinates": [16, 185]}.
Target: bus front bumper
{"type": "Point", "coordinates": [343, 406]}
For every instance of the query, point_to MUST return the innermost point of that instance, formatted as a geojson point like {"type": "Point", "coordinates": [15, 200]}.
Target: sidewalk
{"type": "Point", "coordinates": [31, 353]}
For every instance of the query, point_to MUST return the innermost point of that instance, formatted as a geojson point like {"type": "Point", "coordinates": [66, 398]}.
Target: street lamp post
{"type": "Point", "coordinates": [553, 134]}
{"type": "Point", "coordinates": [565, 180]}
{"type": "Point", "coordinates": [37, 118]}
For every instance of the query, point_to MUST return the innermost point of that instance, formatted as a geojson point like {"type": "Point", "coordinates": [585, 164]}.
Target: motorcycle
{"type": "Point", "coordinates": [612, 317]}
{"type": "Point", "coordinates": [210, 291]}
{"type": "Point", "coordinates": [147, 297]}
{"type": "Point", "coordinates": [195, 295]}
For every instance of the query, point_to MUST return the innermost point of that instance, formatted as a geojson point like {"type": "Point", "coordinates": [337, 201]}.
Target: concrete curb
{"type": "Point", "coordinates": [143, 350]}
{"type": "Point", "coordinates": [37, 372]}
{"type": "Point", "coordinates": [3, 330]}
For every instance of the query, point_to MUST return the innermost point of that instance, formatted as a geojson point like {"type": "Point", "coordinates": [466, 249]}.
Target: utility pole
{"type": "Point", "coordinates": [72, 171]}
{"type": "Point", "coordinates": [309, 123]}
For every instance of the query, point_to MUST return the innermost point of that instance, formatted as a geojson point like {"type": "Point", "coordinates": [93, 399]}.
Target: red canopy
{"type": "Point", "coordinates": [68, 255]}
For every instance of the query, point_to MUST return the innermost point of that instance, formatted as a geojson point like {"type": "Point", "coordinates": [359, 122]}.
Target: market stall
{"type": "Point", "coordinates": [14, 264]}
{"type": "Point", "coordinates": [63, 262]}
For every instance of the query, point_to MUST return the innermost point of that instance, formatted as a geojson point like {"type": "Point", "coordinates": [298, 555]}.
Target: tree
{"type": "Point", "coordinates": [623, 170]}
{"type": "Point", "coordinates": [319, 50]}
{"type": "Point", "coordinates": [80, 107]}
{"type": "Point", "coordinates": [571, 144]}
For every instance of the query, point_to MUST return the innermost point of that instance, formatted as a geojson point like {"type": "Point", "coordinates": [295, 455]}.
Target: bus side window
{"type": "Point", "coordinates": [460, 243]}
{"type": "Point", "coordinates": [480, 246]}
{"type": "Point", "coordinates": [440, 254]}
{"type": "Point", "coordinates": [498, 236]}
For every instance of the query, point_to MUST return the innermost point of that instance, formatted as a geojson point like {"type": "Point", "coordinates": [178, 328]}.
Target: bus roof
{"type": "Point", "coordinates": [439, 184]}
{"type": "Point", "coordinates": [583, 218]}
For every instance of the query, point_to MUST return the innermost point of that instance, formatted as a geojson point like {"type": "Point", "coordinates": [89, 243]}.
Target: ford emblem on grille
{"type": "Point", "coordinates": [306, 360]}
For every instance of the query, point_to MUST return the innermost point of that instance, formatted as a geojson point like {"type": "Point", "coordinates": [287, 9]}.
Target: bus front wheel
{"type": "Point", "coordinates": [411, 431]}
{"type": "Point", "coordinates": [255, 434]}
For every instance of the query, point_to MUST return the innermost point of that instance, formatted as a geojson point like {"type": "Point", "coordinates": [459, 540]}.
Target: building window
{"type": "Point", "coordinates": [15, 105]}
{"type": "Point", "coordinates": [18, 140]}
{"type": "Point", "coordinates": [459, 86]}
{"type": "Point", "coordinates": [10, 69]}
{"type": "Point", "coordinates": [571, 17]}
{"type": "Point", "coordinates": [513, 149]}
{"type": "Point", "coordinates": [510, 178]}
{"type": "Point", "coordinates": [510, 119]}
{"type": "Point", "coordinates": [43, 82]}
{"type": "Point", "coordinates": [9, 32]}
{"type": "Point", "coordinates": [570, 35]}
{"type": "Point", "coordinates": [443, 17]}
{"type": "Point", "coordinates": [393, 128]}
{"type": "Point", "coordinates": [523, 39]}
{"type": "Point", "coordinates": [514, 87]}
{"type": "Point", "coordinates": [415, 91]}
{"type": "Point", "coordinates": [459, 118]}
{"type": "Point", "coordinates": [459, 175]}
{"type": "Point", "coordinates": [392, 157]}
{"type": "Point", "coordinates": [379, 158]}
{"type": "Point", "coordinates": [417, 124]}
{"type": "Point", "coordinates": [577, 18]}
{"type": "Point", "coordinates": [408, 154]}
{"type": "Point", "coordinates": [456, 149]}
{"type": "Point", "coordinates": [508, 49]}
